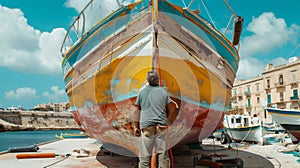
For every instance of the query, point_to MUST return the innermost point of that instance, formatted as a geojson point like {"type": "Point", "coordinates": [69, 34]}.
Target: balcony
{"type": "Point", "coordinates": [268, 89]}
{"type": "Point", "coordinates": [294, 85]}
{"type": "Point", "coordinates": [247, 94]}
{"type": "Point", "coordinates": [234, 110]}
{"type": "Point", "coordinates": [239, 95]}
{"type": "Point", "coordinates": [233, 96]}
{"type": "Point", "coordinates": [248, 108]}
{"type": "Point", "coordinates": [280, 85]}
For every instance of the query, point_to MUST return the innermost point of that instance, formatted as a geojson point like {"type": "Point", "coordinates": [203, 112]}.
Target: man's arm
{"type": "Point", "coordinates": [136, 122]}
{"type": "Point", "coordinates": [172, 111]}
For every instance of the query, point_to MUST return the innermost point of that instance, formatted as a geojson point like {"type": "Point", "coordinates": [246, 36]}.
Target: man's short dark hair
{"type": "Point", "coordinates": [153, 78]}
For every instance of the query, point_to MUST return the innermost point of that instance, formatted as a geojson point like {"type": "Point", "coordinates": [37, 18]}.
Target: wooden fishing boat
{"type": "Point", "coordinates": [105, 67]}
{"type": "Point", "coordinates": [240, 128]}
{"type": "Point", "coordinates": [289, 119]}
{"type": "Point", "coordinates": [70, 136]}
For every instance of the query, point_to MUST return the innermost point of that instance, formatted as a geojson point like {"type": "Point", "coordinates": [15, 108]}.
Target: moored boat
{"type": "Point", "coordinates": [105, 67]}
{"type": "Point", "coordinates": [289, 119]}
{"type": "Point", "coordinates": [240, 128]}
{"type": "Point", "coordinates": [70, 136]}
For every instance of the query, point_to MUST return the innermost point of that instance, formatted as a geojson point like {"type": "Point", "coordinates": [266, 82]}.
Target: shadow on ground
{"type": "Point", "coordinates": [185, 156]}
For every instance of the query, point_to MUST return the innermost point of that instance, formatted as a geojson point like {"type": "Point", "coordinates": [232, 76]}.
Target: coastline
{"type": "Point", "coordinates": [21, 120]}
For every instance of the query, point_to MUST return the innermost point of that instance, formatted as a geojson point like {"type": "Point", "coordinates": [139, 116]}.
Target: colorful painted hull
{"type": "Point", "coordinates": [107, 67]}
{"type": "Point", "coordinates": [250, 134]}
{"type": "Point", "coordinates": [288, 119]}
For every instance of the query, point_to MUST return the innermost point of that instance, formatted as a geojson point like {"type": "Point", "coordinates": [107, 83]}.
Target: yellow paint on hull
{"type": "Point", "coordinates": [125, 76]}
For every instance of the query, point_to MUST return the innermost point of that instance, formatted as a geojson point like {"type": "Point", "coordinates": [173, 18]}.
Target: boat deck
{"type": "Point", "coordinates": [85, 153]}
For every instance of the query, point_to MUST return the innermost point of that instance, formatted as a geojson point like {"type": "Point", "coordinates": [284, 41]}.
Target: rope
{"type": "Point", "coordinates": [246, 135]}
{"type": "Point", "coordinates": [208, 14]}
{"type": "Point", "coordinates": [66, 157]}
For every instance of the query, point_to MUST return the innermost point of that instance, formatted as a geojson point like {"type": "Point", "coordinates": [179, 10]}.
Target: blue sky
{"type": "Point", "coordinates": [31, 33]}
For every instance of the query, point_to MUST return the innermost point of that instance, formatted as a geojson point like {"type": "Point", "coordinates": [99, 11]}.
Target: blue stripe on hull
{"type": "Point", "coordinates": [208, 36]}
{"type": "Point", "coordinates": [284, 112]}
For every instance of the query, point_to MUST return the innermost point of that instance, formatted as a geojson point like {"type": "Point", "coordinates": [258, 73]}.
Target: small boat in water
{"type": "Point", "coordinates": [69, 136]}
{"type": "Point", "coordinates": [105, 66]}
{"type": "Point", "coordinates": [240, 129]}
{"type": "Point", "coordinates": [288, 119]}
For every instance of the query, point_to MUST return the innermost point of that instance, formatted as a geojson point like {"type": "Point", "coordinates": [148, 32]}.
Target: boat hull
{"type": "Point", "coordinates": [288, 119]}
{"type": "Point", "coordinates": [104, 73]}
{"type": "Point", "coordinates": [250, 134]}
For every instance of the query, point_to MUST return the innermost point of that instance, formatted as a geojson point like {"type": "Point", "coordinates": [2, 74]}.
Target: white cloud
{"type": "Point", "coordinates": [24, 93]}
{"type": "Point", "coordinates": [57, 95]}
{"type": "Point", "coordinates": [278, 61]}
{"type": "Point", "coordinates": [268, 33]}
{"type": "Point", "coordinates": [26, 49]}
{"type": "Point", "coordinates": [249, 68]}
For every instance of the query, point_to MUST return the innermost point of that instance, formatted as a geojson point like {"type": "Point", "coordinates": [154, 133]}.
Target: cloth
{"type": "Point", "coordinates": [153, 101]}
{"type": "Point", "coordinates": [255, 121]}
{"type": "Point", "coordinates": [154, 137]}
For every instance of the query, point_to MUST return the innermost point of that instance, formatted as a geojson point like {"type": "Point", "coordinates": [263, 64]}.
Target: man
{"type": "Point", "coordinates": [151, 117]}
{"type": "Point", "coordinates": [255, 120]}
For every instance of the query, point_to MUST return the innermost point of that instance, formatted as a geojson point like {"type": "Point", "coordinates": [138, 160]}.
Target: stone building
{"type": "Point", "coordinates": [277, 87]}
{"type": "Point", "coordinates": [58, 107]}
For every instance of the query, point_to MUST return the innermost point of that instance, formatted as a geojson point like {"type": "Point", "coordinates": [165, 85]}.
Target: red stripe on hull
{"type": "Point", "coordinates": [112, 123]}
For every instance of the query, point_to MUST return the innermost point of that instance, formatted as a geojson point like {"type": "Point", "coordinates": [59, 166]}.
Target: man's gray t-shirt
{"type": "Point", "coordinates": [153, 101]}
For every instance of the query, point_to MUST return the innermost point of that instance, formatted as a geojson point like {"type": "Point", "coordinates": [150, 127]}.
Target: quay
{"type": "Point", "coordinates": [86, 153]}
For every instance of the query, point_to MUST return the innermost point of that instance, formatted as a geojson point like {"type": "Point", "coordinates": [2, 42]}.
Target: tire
{"type": "Point", "coordinates": [225, 139]}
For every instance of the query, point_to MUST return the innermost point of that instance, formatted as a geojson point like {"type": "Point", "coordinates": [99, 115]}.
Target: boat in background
{"type": "Point", "coordinates": [70, 136]}
{"type": "Point", "coordinates": [239, 128]}
{"type": "Point", "coordinates": [105, 66]}
{"type": "Point", "coordinates": [272, 128]}
{"type": "Point", "coordinates": [288, 119]}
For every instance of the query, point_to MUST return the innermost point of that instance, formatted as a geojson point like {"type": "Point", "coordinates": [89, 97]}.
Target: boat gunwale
{"type": "Point", "coordinates": [117, 15]}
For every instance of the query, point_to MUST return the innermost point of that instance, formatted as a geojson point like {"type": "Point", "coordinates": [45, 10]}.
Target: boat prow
{"type": "Point", "coordinates": [106, 67]}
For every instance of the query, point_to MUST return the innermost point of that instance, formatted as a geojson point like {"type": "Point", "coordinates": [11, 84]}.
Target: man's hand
{"type": "Point", "coordinates": [136, 128]}
{"type": "Point", "coordinates": [137, 131]}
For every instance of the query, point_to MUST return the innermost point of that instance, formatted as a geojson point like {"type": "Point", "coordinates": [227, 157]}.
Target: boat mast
{"type": "Point", "coordinates": [155, 50]}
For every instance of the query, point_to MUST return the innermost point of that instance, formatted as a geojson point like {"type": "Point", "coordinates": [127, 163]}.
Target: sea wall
{"type": "Point", "coordinates": [32, 120]}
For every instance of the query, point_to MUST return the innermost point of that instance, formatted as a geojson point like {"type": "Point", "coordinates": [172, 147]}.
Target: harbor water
{"type": "Point", "coordinates": [27, 138]}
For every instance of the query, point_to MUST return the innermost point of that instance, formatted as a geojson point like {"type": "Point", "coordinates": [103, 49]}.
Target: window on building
{"type": "Point", "coordinates": [281, 98]}
{"type": "Point", "coordinates": [295, 93]}
{"type": "Point", "coordinates": [257, 87]}
{"type": "Point", "coordinates": [280, 79]}
{"type": "Point", "coordinates": [294, 77]}
{"type": "Point", "coordinates": [269, 98]}
{"type": "Point", "coordinates": [248, 102]}
{"type": "Point", "coordinates": [248, 88]}
{"type": "Point", "coordinates": [257, 100]}
{"type": "Point", "coordinates": [268, 83]}
{"type": "Point", "coordinates": [234, 91]}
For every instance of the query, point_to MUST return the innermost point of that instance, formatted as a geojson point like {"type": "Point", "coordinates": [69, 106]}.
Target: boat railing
{"type": "Point", "coordinates": [86, 19]}
{"type": "Point", "coordinates": [75, 31]}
